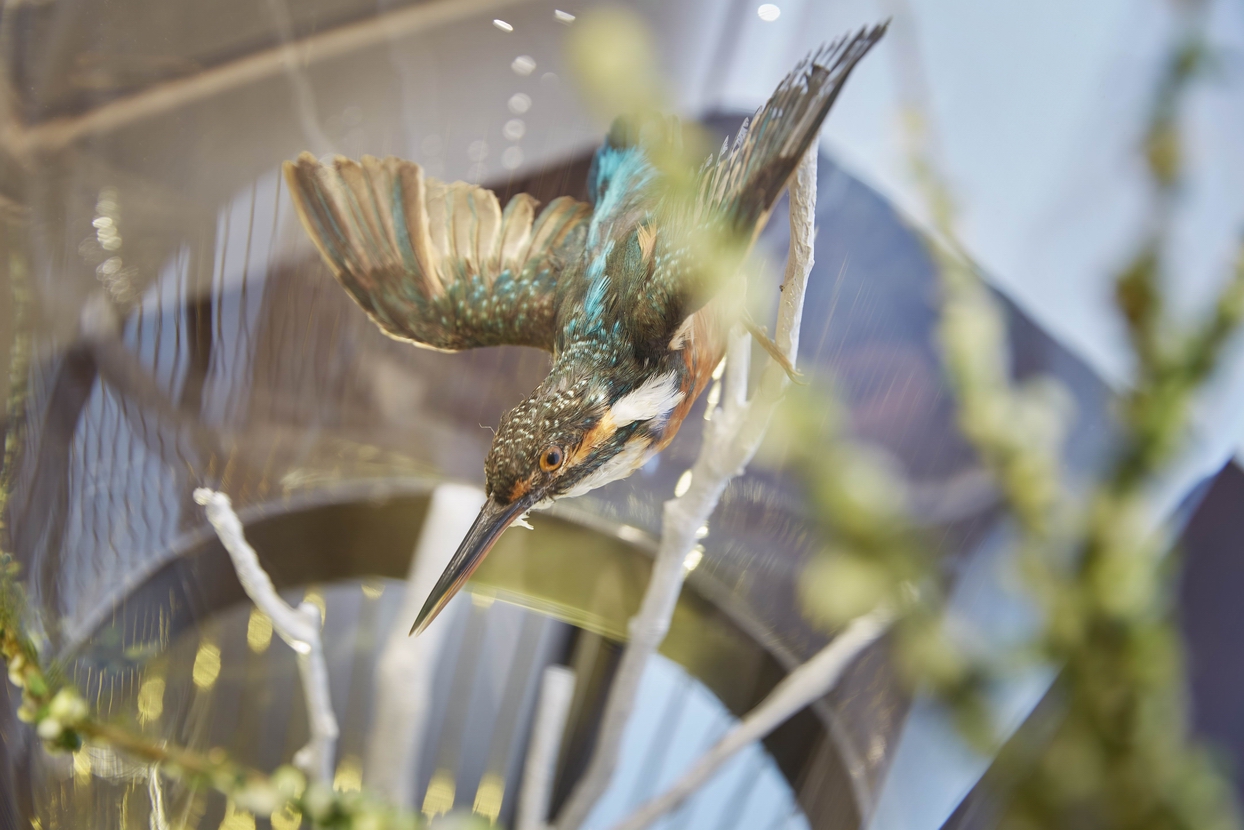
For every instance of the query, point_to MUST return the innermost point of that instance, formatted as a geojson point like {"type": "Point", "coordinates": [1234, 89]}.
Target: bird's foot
{"type": "Point", "coordinates": [760, 336]}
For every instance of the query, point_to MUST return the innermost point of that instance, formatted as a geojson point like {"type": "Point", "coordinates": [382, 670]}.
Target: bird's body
{"type": "Point", "coordinates": [614, 290]}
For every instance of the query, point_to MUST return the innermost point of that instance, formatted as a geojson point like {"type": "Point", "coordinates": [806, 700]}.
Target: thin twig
{"type": "Point", "coordinates": [298, 627]}
{"type": "Point", "coordinates": [800, 688]}
{"type": "Point", "coordinates": [730, 440]}
{"type": "Point", "coordinates": [556, 693]}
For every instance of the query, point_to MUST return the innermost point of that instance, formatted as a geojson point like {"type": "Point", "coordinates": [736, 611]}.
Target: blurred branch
{"type": "Point", "coordinates": [807, 683]}
{"type": "Point", "coordinates": [406, 669]}
{"type": "Point", "coordinates": [540, 767]}
{"type": "Point", "coordinates": [53, 135]}
{"type": "Point", "coordinates": [298, 627]}
{"type": "Point", "coordinates": [730, 440]}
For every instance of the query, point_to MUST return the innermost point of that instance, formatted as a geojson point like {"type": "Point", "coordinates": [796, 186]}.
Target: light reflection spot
{"type": "Point", "coordinates": [349, 775]}
{"type": "Point", "coordinates": [519, 103]}
{"type": "Point", "coordinates": [151, 700]}
{"type": "Point", "coordinates": [236, 819]}
{"type": "Point", "coordinates": [694, 556]}
{"type": "Point", "coordinates": [502, 25]}
{"type": "Point", "coordinates": [683, 485]}
{"type": "Point", "coordinates": [286, 819]}
{"type": "Point", "coordinates": [514, 129]}
{"type": "Point", "coordinates": [82, 766]}
{"type": "Point", "coordinates": [206, 666]}
{"type": "Point", "coordinates": [440, 795]}
{"type": "Point", "coordinates": [259, 631]}
{"type": "Point", "coordinates": [524, 65]}
{"type": "Point", "coordinates": [488, 797]}
{"type": "Point", "coordinates": [768, 12]}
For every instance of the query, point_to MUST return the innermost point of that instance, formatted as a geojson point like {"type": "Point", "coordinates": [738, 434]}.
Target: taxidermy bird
{"type": "Point", "coordinates": [608, 287]}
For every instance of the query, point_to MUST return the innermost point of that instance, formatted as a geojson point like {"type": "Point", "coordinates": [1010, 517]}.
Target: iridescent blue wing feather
{"type": "Point", "coordinates": [440, 265]}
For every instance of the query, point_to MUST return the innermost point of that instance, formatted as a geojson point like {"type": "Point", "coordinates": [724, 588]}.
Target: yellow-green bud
{"type": "Point", "coordinates": [289, 782]}
{"type": "Point", "coordinates": [259, 797]}
{"type": "Point", "coordinates": [15, 670]}
{"type": "Point", "coordinates": [68, 708]}
{"type": "Point", "coordinates": [319, 801]}
{"type": "Point", "coordinates": [49, 728]}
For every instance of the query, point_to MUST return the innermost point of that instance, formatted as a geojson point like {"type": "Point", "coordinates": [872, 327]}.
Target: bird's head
{"type": "Point", "coordinates": [571, 435]}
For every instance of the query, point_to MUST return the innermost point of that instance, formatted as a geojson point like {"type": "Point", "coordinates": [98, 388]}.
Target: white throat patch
{"type": "Point", "coordinates": [631, 458]}
{"type": "Point", "coordinates": [654, 398]}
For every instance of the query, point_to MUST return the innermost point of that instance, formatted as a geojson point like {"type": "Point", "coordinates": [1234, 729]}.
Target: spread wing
{"type": "Point", "coordinates": [737, 190]}
{"type": "Point", "coordinates": [745, 181]}
{"type": "Point", "coordinates": [440, 265]}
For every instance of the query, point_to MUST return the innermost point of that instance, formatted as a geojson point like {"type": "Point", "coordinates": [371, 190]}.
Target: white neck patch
{"type": "Point", "coordinates": [630, 459]}
{"type": "Point", "coordinates": [654, 398]}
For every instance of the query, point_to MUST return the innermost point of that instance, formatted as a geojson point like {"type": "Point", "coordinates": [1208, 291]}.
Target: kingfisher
{"type": "Point", "coordinates": [610, 287]}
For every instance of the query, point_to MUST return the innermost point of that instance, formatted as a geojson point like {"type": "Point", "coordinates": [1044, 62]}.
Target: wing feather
{"type": "Point", "coordinates": [441, 265]}
{"type": "Point", "coordinates": [738, 189]}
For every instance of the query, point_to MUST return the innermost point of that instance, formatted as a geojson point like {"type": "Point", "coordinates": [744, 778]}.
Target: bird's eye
{"type": "Point", "coordinates": [551, 459]}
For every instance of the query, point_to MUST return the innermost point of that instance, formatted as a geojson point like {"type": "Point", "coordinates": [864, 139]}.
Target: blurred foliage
{"type": "Point", "coordinates": [64, 721]}
{"type": "Point", "coordinates": [1096, 568]}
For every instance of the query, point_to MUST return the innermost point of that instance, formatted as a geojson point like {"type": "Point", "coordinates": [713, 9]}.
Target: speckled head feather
{"type": "Point", "coordinates": [559, 414]}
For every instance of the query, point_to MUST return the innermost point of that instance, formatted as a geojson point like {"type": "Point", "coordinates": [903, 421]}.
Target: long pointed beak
{"type": "Point", "coordinates": [493, 518]}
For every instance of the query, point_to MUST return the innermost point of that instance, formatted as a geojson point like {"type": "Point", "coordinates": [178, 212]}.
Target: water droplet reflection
{"type": "Point", "coordinates": [519, 103]}
{"type": "Point", "coordinates": [514, 129]}
{"type": "Point", "coordinates": [524, 65]}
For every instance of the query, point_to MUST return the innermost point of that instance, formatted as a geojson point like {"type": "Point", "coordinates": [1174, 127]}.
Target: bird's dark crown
{"type": "Point", "coordinates": [535, 443]}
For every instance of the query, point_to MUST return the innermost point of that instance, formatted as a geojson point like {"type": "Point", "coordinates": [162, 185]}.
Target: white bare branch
{"type": "Point", "coordinates": [539, 770]}
{"type": "Point", "coordinates": [801, 687]}
{"type": "Point", "coordinates": [406, 669]}
{"type": "Point", "coordinates": [298, 627]}
{"type": "Point", "coordinates": [731, 438]}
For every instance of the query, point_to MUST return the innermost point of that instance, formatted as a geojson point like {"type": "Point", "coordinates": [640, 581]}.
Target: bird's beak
{"type": "Point", "coordinates": [492, 519]}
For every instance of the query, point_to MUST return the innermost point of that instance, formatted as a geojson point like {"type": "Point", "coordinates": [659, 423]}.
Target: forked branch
{"type": "Point", "coordinates": [298, 627]}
